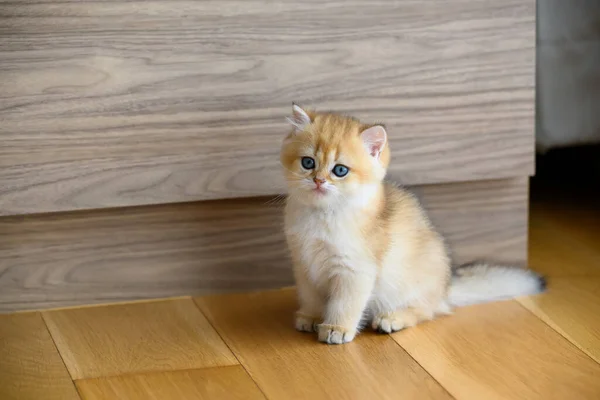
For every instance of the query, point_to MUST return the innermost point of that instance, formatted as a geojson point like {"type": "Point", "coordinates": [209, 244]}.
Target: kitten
{"type": "Point", "coordinates": [362, 247]}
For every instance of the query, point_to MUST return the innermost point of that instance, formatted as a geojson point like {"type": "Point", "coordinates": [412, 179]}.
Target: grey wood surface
{"type": "Point", "coordinates": [115, 103]}
{"type": "Point", "coordinates": [226, 245]}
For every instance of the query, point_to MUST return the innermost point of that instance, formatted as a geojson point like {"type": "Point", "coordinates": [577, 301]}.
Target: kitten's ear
{"type": "Point", "coordinates": [374, 139]}
{"type": "Point", "coordinates": [299, 119]}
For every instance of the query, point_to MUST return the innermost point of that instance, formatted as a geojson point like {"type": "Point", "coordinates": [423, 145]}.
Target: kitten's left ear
{"type": "Point", "coordinates": [299, 119]}
{"type": "Point", "coordinates": [374, 139]}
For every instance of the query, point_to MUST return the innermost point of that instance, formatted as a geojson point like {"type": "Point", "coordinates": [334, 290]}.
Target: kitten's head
{"type": "Point", "coordinates": [330, 159]}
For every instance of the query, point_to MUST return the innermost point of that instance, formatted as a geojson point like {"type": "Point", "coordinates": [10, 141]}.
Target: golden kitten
{"type": "Point", "coordinates": [365, 248]}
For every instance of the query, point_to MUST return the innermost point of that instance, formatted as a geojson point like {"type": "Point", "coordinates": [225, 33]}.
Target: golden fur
{"type": "Point", "coordinates": [362, 248]}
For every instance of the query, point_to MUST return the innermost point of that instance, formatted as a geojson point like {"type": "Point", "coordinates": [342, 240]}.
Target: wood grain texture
{"type": "Point", "coordinates": [572, 307]}
{"type": "Point", "coordinates": [227, 383]}
{"type": "Point", "coordinates": [114, 103]}
{"type": "Point", "coordinates": [259, 330]}
{"type": "Point", "coordinates": [154, 336]}
{"type": "Point", "coordinates": [229, 245]}
{"type": "Point", "coordinates": [30, 366]}
{"type": "Point", "coordinates": [501, 351]}
{"type": "Point", "coordinates": [136, 253]}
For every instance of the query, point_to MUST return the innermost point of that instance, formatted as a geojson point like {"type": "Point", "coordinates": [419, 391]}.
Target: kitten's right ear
{"type": "Point", "coordinates": [299, 119]}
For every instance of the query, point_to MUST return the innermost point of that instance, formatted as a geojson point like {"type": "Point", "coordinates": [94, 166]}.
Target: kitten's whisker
{"type": "Point", "coordinates": [277, 200]}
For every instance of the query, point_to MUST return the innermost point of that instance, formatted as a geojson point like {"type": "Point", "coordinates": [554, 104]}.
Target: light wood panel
{"type": "Point", "coordinates": [30, 366]}
{"type": "Point", "coordinates": [259, 330]}
{"type": "Point", "coordinates": [135, 253]}
{"type": "Point", "coordinates": [118, 103]}
{"type": "Point", "coordinates": [501, 351]}
{"type": "Point", "coordinates": [481, 220]}
{"type": "Point", "coordinates": [153, 336]}
{"type": "Point", "coordinates": [161, 251]}
{"type": "Point", "coordinates": [227, 383]}
{"type": "Point", "coordinates": [572, 307]}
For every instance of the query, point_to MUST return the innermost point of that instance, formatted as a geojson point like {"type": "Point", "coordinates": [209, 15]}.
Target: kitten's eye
{"type": "Point", "coordinates": [308, 163]}
{"type": "Point", "coordinates": [340, 170]}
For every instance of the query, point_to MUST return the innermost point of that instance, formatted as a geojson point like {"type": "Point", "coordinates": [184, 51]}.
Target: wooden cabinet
{"type": "Point", "coordinates": [105, 105]}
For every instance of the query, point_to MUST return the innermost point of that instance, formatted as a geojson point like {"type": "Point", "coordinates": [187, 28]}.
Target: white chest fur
{"type": "Point", "coordinates": [326, 242]}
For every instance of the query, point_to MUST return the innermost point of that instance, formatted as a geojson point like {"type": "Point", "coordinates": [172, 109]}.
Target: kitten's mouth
{"type": "Point", "coordinates": [319, 191]}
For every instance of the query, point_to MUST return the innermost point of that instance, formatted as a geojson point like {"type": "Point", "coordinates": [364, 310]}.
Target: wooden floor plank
{"type": "Point", "coordinates": [142, 337]}
{"type": "Point", "coordinates": [258, 328]}
{"type": "Point", "coordinates": [30, 366]}
{"type": "Point", "coordinates": [501, 351]}
{"type": "Point", "coordinates": [572, 307]}
{"type": "Point", "coordinates": [580, 224]}
{"type": "Point", "coordinates": [223, 383]}
{"type": "Point", "coordinates": [564, 242]}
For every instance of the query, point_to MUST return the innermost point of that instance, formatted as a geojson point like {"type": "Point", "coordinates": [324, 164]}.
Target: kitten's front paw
{"type": "Point", "coordinates": [333, 334]}
{"type": "Point", "coordinates": [305, 323]}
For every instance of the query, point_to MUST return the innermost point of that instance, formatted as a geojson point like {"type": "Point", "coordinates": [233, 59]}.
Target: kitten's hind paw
{"type": "Point", "coordinates": [393, 322]}
{"type": "Point", "coordinates": [333, 334]}
{"type": "Point", "coordinates": [305, 323]}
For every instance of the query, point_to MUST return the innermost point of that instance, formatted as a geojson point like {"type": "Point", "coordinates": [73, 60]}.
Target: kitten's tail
{"type": "Point", "coordinates": [482, 283]}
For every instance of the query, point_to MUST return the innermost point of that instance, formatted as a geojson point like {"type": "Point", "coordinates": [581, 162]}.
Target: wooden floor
{"type": "Point", "coordinates": [244, 347]}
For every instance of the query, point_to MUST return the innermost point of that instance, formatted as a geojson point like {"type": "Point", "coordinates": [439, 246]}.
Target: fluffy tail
{"type": "Point", "coordinates": [482, 283]}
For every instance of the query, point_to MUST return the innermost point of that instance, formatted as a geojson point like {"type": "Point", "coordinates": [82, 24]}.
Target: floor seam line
{"type": "Point", "coordinates": [422, 366]}
{"type": "Point", "coordinates": [229, 347]}
{"type": "Point", "coordinates": [572, 342]}
{"type": "Point", "coordinates": [149, 372]}
{"type": "Point", "coordinates": [62, 359]}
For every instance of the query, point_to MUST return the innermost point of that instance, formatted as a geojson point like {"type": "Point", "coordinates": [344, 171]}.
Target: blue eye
{"type": "Point", "coordinates": [308, 163]}
{"type": "Point", "coordinates": [340, 170]}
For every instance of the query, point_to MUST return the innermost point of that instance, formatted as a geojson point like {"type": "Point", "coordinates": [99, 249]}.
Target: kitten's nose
{"type": "Point", "coordinates": [319, 182]}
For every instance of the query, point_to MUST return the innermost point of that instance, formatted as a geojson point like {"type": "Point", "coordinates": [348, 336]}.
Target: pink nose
{"type": "Point", "coordinates": [318, 182]}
